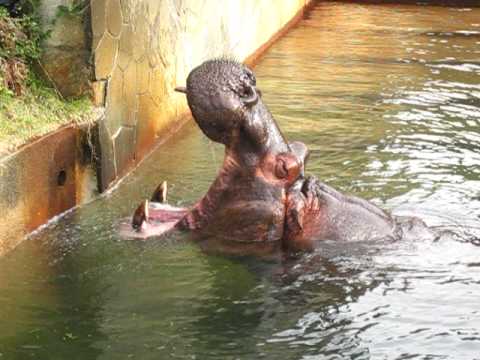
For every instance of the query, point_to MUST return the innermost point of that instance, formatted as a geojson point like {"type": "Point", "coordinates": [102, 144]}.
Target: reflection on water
{"type": "Point", "coordinates": [387, 98]}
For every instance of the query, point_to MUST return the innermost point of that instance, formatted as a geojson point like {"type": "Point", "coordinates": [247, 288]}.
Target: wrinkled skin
{"type": "Point", "coordinates": [260, 201]}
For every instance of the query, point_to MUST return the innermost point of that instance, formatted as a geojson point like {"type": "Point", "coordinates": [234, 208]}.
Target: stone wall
{"type": "Point", "coordinates": [66, 59]}
{"type": "Point", "coordinates": [144, 48]}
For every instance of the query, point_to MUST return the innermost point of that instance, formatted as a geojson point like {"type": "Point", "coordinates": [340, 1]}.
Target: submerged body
{"type": "Point", "coordinates": [261, 201]}
{"type": "Point", "coordinates": [316, 212]}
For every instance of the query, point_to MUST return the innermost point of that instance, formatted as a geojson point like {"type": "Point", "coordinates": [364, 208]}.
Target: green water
{"type": "Point", "coordinates": [388, 100]}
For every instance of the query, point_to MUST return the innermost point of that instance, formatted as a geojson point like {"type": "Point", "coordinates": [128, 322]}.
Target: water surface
{"type": "Point", "coordinates": [387, 97]}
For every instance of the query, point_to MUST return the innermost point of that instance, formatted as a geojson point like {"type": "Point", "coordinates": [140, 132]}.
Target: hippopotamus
{"type": "Point", "coordinates": [261, 200]}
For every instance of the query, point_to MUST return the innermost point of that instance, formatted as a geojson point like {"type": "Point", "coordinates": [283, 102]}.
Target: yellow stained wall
{"type": "Point", "coordinates": [41, 180]}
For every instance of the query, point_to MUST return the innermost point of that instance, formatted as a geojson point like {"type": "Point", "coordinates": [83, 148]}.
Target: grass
{"type": "Point", "coordinates": [36, 112]}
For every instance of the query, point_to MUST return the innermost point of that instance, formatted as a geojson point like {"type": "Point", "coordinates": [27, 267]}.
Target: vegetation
{"type": "Point", "coordinates": [75, 8]}
{"type": "Point", "coordinates": [38, 111]}
{"type": "Point", "coordinates": [29, 105]}
{"type": "Point", "coordinates": [19, 47]}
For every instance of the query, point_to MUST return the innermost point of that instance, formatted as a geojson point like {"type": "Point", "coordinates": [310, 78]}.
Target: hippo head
{"type": "Point", "coordinates": [228, 108]}
{"type": "Point", "coordinates": [246, 203]}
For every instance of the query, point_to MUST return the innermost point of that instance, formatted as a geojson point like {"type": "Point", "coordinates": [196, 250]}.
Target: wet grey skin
{"type": "Point", "coordinates": [260, 201]}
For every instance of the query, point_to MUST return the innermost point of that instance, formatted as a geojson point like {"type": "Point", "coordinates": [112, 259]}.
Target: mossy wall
{"type": "Point", "coordinates": [67, 60]}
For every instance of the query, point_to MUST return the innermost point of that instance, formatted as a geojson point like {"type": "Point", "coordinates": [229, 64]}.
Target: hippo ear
{"type": "Point", "coordinates": [181, 89]}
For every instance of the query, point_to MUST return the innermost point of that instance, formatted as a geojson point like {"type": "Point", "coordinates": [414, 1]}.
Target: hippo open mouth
{"type": "Point", "coordinates": [247, 201]}
{"type": "Point", "coordinates": [261, 200]}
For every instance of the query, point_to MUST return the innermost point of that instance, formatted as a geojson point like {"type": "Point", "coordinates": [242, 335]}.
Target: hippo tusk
{"type": "Point", "coordinates": [181, 89]}
{"type": "Point", "coordinates": [160, 193]}
{"type": "Point", "coordinates": [140, 216]}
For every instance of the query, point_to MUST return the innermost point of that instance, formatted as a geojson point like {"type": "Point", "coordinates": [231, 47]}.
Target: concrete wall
{"type": "Point", "coordinates": [67, 55]}
{"type": "Point", "coordinates": [41, 180]}
{"type": "Point", "coordinates": [144, 48]}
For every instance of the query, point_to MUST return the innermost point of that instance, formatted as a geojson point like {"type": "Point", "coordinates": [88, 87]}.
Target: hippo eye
{"type": "Point", "coordinates": [248, 78]}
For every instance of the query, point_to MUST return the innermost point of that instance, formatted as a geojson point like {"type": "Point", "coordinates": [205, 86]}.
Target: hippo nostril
{"type": "Point", "coordinates": [281, 170]}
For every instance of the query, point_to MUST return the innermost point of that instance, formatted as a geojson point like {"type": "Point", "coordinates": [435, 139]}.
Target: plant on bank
{"type": "Point", "coordinates": [20, 44]}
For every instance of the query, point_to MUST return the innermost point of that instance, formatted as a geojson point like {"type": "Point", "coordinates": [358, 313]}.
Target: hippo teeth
{"type": "Point", "coordinates": [140, 216]}
{"type": "Point", "coordinates": [160, 193]}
